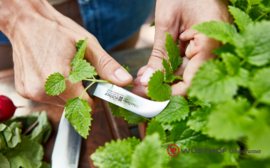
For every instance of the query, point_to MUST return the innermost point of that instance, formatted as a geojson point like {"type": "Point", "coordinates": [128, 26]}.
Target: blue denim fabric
{"type": "Point", "coordinates": [111, 21]}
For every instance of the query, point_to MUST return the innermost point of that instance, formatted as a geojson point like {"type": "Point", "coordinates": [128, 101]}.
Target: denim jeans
{"type": "Point", "coordinates": [111, 21]}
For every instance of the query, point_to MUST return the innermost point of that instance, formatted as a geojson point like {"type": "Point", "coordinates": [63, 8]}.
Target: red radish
{"type": "Point", "coordinates": [7, 108]}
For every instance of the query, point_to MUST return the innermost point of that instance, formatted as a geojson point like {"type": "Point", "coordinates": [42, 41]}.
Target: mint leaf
{"type": "Point", "coordinates": [176, 110]}
{"type": "Point", "coordinates": [155, 127]}
{"type": "Point", "coordinates": [45, 165]}
{"type": "Point", "coordinates": [28, 154]}
{"type": "Point", "coordinates": [221, 31]}
{"type": "Point", "coordinates": [133, 142]}
{"type": "Point", "coordinates": [173, 52]}
{"type": "Point", "coordinates": [242, 77]}
{"type": "Point", "coordinates": [157, 89]}
{"type": "Point", "coordinates": [148, 153]}
{"type": "Point", "coordinates": [254, 2]}
{"type": "Point", "coordinates": [246, 163]}
{"type": "Point", "coordinates": [55, 84]}
{"type": "Point", "coordinates": [198, 119]}
{"type": "Point", "coordinates": [131, 117]}
{"type": "Point", "coordinates": [78, 113]}
{"type": "Point", "coordinates": [4, 162]}
{"type": "Point", "coordinates": [169, 77]}
{"type": "Point", "coordinates": [81, 70]}
{"type": "Point", "coordinates": [212, 81]}
{"type": "Point", "coordinates": [42, 131]}
{"type": "Point", "coordinates": [260, 86]}
{"type": "Point", "coordinates": [253, 44]}
{"type": "Point", "coordinates": [229, 120]}
{"type": "Point", "coordinates": [232, 63]}
{"type": "Point", "coordinates": [126, 68]}
{"type": "Point", "coordinates": [113, 155]}
{"type": "Point", "coordinates": [115, 110]}
{"type": "Point", "coordinates": [152, 24]}
{"type": "Point", "coordinates": [228, 48]}
{"type": "Point", "coordinates": [81, 47]}
{"type": "Point", "coordinates": [240, 18]}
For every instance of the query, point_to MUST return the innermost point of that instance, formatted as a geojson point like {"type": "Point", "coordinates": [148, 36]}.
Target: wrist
{"type": "Point", "coordinates": [17, 13]}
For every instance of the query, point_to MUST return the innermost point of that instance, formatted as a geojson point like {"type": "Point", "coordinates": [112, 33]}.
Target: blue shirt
{"type": "Point", "coordinates": [111, 21]}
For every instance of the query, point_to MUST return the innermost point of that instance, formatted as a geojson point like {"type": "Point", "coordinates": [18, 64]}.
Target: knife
{"type": "Point", "coordinates": [125, 99]}
{"type": "Point", "coordinates": [67, 146]}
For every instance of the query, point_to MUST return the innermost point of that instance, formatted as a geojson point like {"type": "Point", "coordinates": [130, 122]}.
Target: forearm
{"type": "Point", "coordinates": [17, 13]}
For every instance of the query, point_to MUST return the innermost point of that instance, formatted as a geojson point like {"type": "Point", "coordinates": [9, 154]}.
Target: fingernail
{"type": "Point", "coordinates": [122, 74]}
{"type": "Point", "coordinates": [147, 74]}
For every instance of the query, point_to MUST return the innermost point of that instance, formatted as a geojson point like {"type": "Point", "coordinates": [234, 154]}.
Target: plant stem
{"type": "Point", "coordinates": [20, 106]}
{"type": "Point", "coordinates": [131, 86]}
{"type": "Point", "coordinates": [95, 80]}
{"type": "Point", "coordinates": [242, 62]}
{"type": "Point", "coordinates": [167, 143]}
{"type": "Point", "coordinates": [86, 89]}
{"type": "Point", "coordinates": [30, 128]}
{"type": "Point", "coordinates": [264, 14]}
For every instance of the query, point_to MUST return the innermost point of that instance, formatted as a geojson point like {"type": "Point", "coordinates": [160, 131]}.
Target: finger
{"type": "Point", "coordinates": [164, 23]}
{"type": "Point", "coordinates": [181, 69]}
{"type": "Point", "coordinates": [141, 71]}
{"type": "Point", "coordinates": [106, 66]}
{"type": "Point", "coordinates": [139, 90]}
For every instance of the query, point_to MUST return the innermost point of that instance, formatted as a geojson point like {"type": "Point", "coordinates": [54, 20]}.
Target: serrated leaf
{"type": "Point", "coordinates": [148, 153]}
{"type": "Point", "coordinates": [4, 163]}
{"type": "Point", "coordinates": [228, 48]}
{"type": "Point", "coordinates": [254, 2]}
{"type": "Point", "coordinates": [28, 154]}
{"type": "Point", "coordinates": [229, 120]}
{"type": "Point", "coordinates": [173, 52]}
{"type": "Point", "coordinates": [169, 77]}
{"type": "Point", "coordinates": [242, 77]}
{"type": "Point", "coordinates": [55, 84]}
{"type": "Point", "coordinates": [126, 68]}
{"type": "Point", "coordinates": [45, 165]}
{"type": "Point", "coordinates": [131, 117]}
{"type": "Point", "coordinates": [240, 18]}
{"type": "Point", "coordinates": [260, 86]}
{"type": "Point", "coordinates": [250, 163]}
{"type": "Point", "coordinates": [258, 136]}
{"type": "Point", "coordinates": [157, 89]}
{"type": "Point", "coordinates": [253, 44]}
{"type": "Point", "coordinates": [221, 31]}
{"type": "Point", "coordinates": [198, 119]}
{"type": "Point", "coordinates": [176, 110]}
{"type": "Point", "coordinates": [133, 142]}
{"type": "Point", "coordinates": [152, 24]}
{"type": "Point", "coordinates": [113, 155]}
{"type": "Point", "coordinates": [156, 127]}
{"type": "Point", "coordinates": [82, 70]}
{"type": "Point", "coordinates": [115, 110]}
{"type": "Point", "coordinates": [212, 81]}
{"type": "Point", "coordinates": [232, 63]}
{"type": "Point", "coordinates": [81, 46]}
{"type": "Point", "coordinates": [78, 113]}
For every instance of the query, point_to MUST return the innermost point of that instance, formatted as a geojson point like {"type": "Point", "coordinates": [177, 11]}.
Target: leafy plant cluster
{"type": "Point", "coordinates": [21, 139]}
{"type": "Point", "coordinates": [228, 104]}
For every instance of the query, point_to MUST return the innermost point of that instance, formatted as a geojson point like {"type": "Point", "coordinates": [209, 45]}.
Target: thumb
{"type": "Point", "coordinates": [106, 67]}
{"type": "Point", "coordinates": [159, 52]}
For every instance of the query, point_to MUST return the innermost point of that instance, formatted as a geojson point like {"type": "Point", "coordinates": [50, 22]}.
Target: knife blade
{"type": "Point", "coordinates": [126, 99]}
{"type": "Point", "coordinates": [67, 146]}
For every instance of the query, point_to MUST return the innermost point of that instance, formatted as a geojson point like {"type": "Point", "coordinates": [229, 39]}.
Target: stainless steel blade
{"type": "Point", "coordinates": [67, 146]}
{"type": "Point", "coordinates": [128, 100]}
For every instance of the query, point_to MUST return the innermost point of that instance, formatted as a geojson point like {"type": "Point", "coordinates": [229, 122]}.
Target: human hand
{"type": "Point", "coordinates": [177, 18]}
{"type": "Point", "coordinates": [43, 43]}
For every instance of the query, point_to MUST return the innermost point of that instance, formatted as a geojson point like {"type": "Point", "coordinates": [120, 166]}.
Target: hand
{"type": "Point", "coordinates": [43, 42]}
{"type": "Point", "coordinates": [177, 18]}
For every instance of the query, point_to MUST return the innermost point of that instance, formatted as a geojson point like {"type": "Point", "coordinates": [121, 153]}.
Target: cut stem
{"type": "Point", "coordinates": [86, 89]}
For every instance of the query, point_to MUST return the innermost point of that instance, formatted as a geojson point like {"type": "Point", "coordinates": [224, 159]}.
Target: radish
{"type": "Point", "coordinates": [7, 108]}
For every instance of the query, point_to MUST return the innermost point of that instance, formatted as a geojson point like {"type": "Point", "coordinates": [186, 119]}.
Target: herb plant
{"type": "Point", "coordinates": [228, 104]}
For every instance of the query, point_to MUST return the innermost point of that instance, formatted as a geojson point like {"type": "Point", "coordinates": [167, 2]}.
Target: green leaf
{"type": "Point", "coordinates": [254, 2]}
{"type": "Point", "coordinates": [4, 163]}
{"type": "Point", "coordinates": [113, 155]}
{"type": "Point", "coordinates": [169, 77]}
{"type": "Point", "coordinates": [221, 31]}
{"type": "Point", "coordinates": [82, 70]}
{"type": "Point", "coordinates": [55, 84]}
{"type": "Point", "coordinates": [242, 77]}
{"type": "Point", "coordinates": [126, 68]}
{"type": "Point", "coordinates": [115, 110]}
{"type": "Point", "coordinates": [78, 113]}
{"type": "Point", "coordinates": [232, 63]}
{"type": "Point", "coordinates": [250, 163]}
{"type": "Point", "coordinates": [258, 136]}
{"type": "Point", "coordinates": [240, 18]}
{"type": "Point", "coordinates": [81, 47]}
{"type": "Point", "coordinates": [260, 86]}
{"type": "Point", "coordinates": [155, 127]}
{"type": "Point", "coordinates": [253, 44]}
{"type": "Point", "coordinates": [42, 131]}
{"type": "Point", "coordinates": [173, 52]}
{"type": "Point", "coordinates": [157, 89]}
{"type": "Point", "coordinates": [11, 135]}
{"type": "Point", "coordinates": [176, 110]}
{"type": "Point", "coordinates": [228, 48]}
{"type": "Point", "coordinates": [148, 153]}
{"type": "Point", "coordinates": [229, 120]}
{"type": "Point", "coordinates": [133, 142]}
{"type": "Point", "coordinates": [27, 154]}
{"type": "Point", "coordinates": [212, 81]}
{"type": "Point", "coordinates": [131, 117]}
{"type": "Point", "coordinates": [45, 165]}
{"type": "Point", "coordinates": [152, 24]}
{"type": "Point", "coordinates": [198, 119]}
